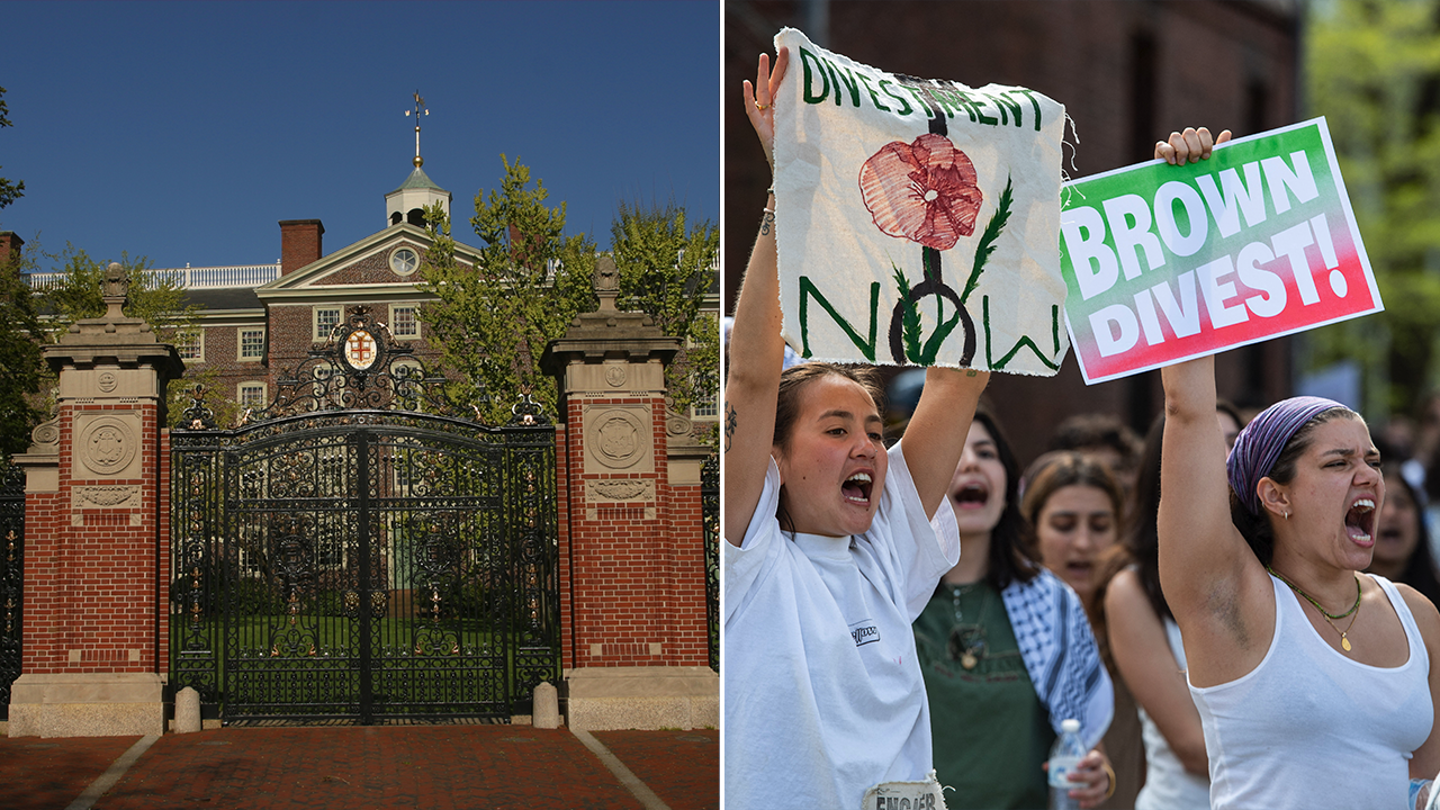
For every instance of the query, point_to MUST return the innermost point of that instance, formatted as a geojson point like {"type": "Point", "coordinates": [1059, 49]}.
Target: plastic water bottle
{"type": "Point", "coordinates": [1065, 756]}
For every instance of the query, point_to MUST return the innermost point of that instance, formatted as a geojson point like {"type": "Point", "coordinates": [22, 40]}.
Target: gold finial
{"type": "Point", "coordinates": [420, 110]}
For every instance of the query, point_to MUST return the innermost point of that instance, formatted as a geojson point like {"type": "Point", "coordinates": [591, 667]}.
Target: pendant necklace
{"type": "Point", "coordinates": [968, 642]}
{"type": "Point", "coordinates": [1353, 612]}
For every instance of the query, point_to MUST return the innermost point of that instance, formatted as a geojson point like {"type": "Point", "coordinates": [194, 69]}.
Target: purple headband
{"type": "Point", "coordinates": [1258, 446]}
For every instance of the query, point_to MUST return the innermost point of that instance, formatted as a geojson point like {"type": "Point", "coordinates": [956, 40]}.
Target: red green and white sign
{"type": "Point", "coordinates": [1166, 263]}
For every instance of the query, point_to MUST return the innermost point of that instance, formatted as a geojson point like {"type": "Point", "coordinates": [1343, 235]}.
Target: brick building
{"type": "Point", "coordinates": [1127, 71]}
{"type": "Point", "coordinates": [259, 323]}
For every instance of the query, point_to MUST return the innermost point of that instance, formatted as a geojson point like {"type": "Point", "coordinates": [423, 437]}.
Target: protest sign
{"type": "Point", "coordinates": [1166, 263]}
{"type": "Point", "coordinates": [916, 219]}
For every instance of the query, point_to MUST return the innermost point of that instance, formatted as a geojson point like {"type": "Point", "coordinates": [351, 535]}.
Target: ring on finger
{"type": "Point", "coordinates": [761, 107]}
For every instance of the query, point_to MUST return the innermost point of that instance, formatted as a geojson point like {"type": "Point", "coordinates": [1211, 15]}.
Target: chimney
{"type": "Point", "coordinates": [299, 243]}
{"type": "Point", "coordinates": [10, 244]}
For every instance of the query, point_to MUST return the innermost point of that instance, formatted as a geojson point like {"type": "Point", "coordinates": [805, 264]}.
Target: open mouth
{"type": "Point", "coordinates": [1360, 520]}
{"type": "Point", "coordinates": [971, 496]}
{"type": "Point", "coordinates": [856, 488]}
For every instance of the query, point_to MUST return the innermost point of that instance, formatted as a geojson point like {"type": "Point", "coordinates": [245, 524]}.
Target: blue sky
{"type": "Point", "coordinates": [183, 132]}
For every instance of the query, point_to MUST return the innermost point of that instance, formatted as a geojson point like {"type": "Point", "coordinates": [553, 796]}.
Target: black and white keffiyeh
{"type": "Point", "coordinates": [1060, 654]}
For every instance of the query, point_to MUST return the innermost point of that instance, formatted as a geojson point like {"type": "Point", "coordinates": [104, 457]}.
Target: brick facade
{"type": "Point", "coordinates": [634, 586]}
{"type": "Point", "coordinates": [93, 585]}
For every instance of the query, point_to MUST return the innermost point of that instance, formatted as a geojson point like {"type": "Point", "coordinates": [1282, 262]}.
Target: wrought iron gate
{"type": "Point", "coordinates": [12, 566]}
{"type": "Point", "coordinates": [359, 553]}
{"type": "Point", "coordinates": [710, 529]}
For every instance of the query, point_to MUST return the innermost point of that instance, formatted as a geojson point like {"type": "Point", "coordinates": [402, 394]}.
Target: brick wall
{"type": "Point", "coordinates": [91, 580]}
{"type": "Point", "coordinates": [300, 243]}
{"type": "Point", "coordinates": [633, 592]}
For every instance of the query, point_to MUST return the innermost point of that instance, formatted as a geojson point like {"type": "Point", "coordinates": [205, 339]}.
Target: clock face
{"type": "Point", "coordinates": [404, 261]}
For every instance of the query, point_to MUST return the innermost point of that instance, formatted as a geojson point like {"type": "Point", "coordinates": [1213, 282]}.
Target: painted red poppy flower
{"type": "Point", "coordinates": [924, 191]}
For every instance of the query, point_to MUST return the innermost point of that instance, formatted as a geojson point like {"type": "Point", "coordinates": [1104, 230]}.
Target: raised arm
{"type": "Point", "coordinates": [935, 436]}
{"type": "Point", "coordinates": [756, 353]}
{"type": "Point", "coordinates": [1216, 586]}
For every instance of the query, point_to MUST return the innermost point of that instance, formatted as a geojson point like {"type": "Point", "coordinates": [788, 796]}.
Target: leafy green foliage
{"type": "Point", "coordinates": [9, 191]}
{"type": "Point", "coordinates": [492, 321]}
{"type": "Point", "coordinates": [21, 360]}
{"type": "Point", "coordinates": [158, 301]}
{"type": "Point", "coordinates": [667, 267]}
{"type": "Point", "coordinates": [1374, 73]}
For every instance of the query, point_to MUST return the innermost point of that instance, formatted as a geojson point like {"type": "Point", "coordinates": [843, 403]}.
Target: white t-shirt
{"type": "Point", "coordinates": [823, 693]}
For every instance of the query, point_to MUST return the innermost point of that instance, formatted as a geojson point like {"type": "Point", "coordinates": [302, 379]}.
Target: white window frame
{"type": "Point", "coordinates": [712, 413]}
{"type": "Point", "coordinates": [413, 308]}
{"type": "Point", "coordinates": [264, 389]}
{"type": "Point", "coordinates": [240, 354]}
{"type": "Point", "coordinates": [199, 348]}
{"type": "Point", "coordinates": [315, 332]}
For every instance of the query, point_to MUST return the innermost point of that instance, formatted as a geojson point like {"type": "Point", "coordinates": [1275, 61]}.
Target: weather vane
{"type": "Point", "coordinates": [420, 110]}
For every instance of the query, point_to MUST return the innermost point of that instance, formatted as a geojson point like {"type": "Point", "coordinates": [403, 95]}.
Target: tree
{"type": "Point", "coordinates": [21, 360]}
{"type": "Point", "coordinates": [1374, 72]}
{"type": "Point", "coordinates": [155, 299]}
{"type": "Point", "coordinates": [667, 267]}
{"type": "Point", "coordinates": [9, 192]}
{"type": "Point", "coordinates": [492, 321]}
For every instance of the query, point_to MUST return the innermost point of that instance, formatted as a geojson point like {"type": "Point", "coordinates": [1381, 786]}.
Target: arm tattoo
{"type": "Point", "coordinates": [730, 422]}
{"type": "Point", "coordinates": [767, 222]}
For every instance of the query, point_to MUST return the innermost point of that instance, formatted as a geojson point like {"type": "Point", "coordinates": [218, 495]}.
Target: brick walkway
{"type": "Point", "coordinates": [436, 767]}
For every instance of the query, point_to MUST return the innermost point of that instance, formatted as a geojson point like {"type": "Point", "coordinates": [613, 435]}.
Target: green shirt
{"type": "Point", "coordinates": [991, 733]}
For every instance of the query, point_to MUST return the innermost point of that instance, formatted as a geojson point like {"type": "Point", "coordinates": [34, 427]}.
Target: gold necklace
{"type": "Point", "coordinates": [1353, 612]}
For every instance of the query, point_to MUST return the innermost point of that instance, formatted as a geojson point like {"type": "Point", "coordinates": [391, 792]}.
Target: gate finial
{"type": "Point", "coordinates": [607, 283]}
{"type": "Point", "coordinates": [117, 290]}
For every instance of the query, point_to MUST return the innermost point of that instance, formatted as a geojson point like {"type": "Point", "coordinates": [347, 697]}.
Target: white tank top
{"type": "Point", "coordinates": [1310, 728]}
{"type": "Point", "coordinates": [1168, 786]}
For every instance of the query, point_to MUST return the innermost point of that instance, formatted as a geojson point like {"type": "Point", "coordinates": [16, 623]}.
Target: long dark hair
{"type": "Point", "coordinates": [1139, 543]}
{"type": "Point", "coordinates": [793, 382]}
{"type": "Point", "coordinates": [1419, 572]}
{"type": "Point", "coordinates": [1009, 559]}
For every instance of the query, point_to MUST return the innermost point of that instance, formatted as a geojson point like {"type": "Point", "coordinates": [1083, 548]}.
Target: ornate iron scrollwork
{"type": "Point", "coordinates": [362, 549]}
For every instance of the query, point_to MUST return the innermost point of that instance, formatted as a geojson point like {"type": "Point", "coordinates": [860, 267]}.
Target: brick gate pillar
{"type": "Point", "coordinates": [93, 663]}
{"type": "Point", "coordinates": [634, 630]}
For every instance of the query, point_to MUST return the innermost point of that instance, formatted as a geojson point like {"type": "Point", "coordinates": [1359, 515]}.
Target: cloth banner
{"type": "Point", "coordinates": [1167, 263]}
{"type": "Point", "coordinates": [917, 220]}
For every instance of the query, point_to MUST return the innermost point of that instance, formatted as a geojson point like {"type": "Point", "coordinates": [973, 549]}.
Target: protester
{"type": "Point", "coordinates": [1074, 505]}
{"type": "Point", "coordinates": [1006, 648]}
{"type": "Point", "coordinates": [831, 552]}
{"type": "Point", "coordinates": [1105, 437]}
{"type": "Point", "coordinates": [1141, 642]}
{"type": "Point", "coordinates": [1402, 544]}
{"type": "Point", "coordinates": [1315, 685]}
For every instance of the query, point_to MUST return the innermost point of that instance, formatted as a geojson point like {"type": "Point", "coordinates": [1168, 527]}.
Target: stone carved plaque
{"type": "Point", "coordinates": [108, 445]}
{"type": "Point", "coordinates": [108, 381]}
{"type": "Point", "coordinates": [615, 374]}
{"type": "Point", "coordinates": [618, 439]}
{"type": "Point", "coordinates": [625, 490]}
{"type": "Point", "coordinates": [116, 496]}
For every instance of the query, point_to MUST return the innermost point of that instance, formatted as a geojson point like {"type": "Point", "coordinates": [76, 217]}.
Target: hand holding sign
{"type": "Point", "coordinates": [916, 218]}
{"type": "Point", "coordinates": [1189, 146]}
{"type": "Point", "coordinates": [1169, 262]}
